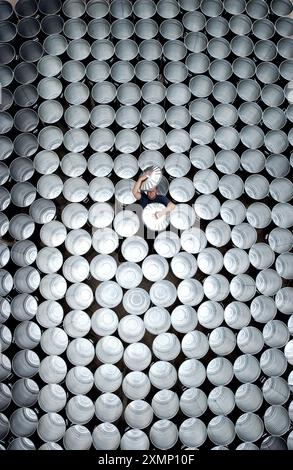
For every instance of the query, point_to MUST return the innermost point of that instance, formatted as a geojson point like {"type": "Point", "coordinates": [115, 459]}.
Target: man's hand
{"type": "Point", "coordinates": [144, 176]}
{"type": "Point", "coordinates": [159, 214]}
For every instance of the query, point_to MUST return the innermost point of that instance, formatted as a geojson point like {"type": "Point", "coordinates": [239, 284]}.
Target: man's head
{"type": "Point", "coordinates": [152, 193]}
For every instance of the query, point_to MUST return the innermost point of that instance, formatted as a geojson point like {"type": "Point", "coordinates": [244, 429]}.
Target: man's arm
{"type": "Point", "coordinates": [170, 207]}
{"type": "Point", "coordinates": [136, 188]}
